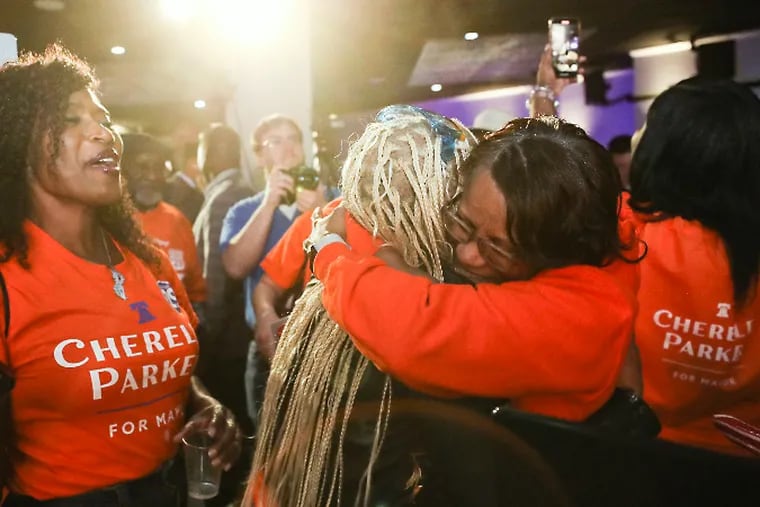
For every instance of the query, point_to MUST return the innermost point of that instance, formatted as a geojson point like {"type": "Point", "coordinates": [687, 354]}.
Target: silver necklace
{"type": "Point", "coordinates": [118, 278]}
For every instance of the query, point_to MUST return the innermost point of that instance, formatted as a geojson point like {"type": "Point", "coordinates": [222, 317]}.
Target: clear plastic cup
{"type": "Point", "coordinates": [202, 477]}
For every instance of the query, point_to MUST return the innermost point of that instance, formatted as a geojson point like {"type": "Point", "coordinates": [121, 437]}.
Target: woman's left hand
{"type": "Point", "coordinates": [219, 422]}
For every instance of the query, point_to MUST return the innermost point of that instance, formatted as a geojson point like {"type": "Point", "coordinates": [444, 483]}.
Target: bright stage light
{"type": "Point", "coordinates": [118, 50]}
{"type": "Point", "coordinates": [199, 104]}
{"type": "Point", "coordinates": [249, 21]}
{"type": "Point", "coordinates": [179, 10]}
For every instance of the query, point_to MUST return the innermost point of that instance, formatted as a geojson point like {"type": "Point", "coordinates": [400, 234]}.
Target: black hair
{"type": "Point", "coordinates": [480, 133]}
{"type": "Point", "coordinates": [137, 144]}
{"type": "Point", "coordinates": [699, 159]}
{"type": "Point", "coordinates": [34, 95]}
{"type": "Point", "coordinates": [620, 144]}
{"type": "Point", "coordinates": [222, 149]}
{"type": "Point", "coordinates": [561, 191]}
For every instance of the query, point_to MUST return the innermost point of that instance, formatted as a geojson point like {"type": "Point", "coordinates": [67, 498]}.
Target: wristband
{"type": "Point", "coordinates": [322, 242]}
{"type": "Point", "coordinates": [543, 92]}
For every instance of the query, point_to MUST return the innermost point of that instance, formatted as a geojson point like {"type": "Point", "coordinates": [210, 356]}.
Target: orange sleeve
{"type": "Point", "coordinates": [564, 333]}
{"type": "Point", "coordinates": [284, 262]}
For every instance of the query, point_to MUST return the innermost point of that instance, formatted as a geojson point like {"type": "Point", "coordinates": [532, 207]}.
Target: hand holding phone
{"type": "Point", "coordinates": [564, 38]}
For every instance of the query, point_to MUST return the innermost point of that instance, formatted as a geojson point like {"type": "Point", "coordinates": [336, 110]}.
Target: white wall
{"type": "Point", "coordinates": [273, 78]}
{"type": "Point", "coordinates": [654, 74]}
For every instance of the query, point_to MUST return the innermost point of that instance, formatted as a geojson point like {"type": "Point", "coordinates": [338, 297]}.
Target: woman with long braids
{"type": "Point", "coordinates": [395, 180]}
{"type": "Point", "coordinates": [549, 320]}
{"type": "Point", "coordinates": [97, 331]}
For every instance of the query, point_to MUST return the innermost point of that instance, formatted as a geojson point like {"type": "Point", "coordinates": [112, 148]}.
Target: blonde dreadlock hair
{"type": "Point", "coordinates": [395, 181]}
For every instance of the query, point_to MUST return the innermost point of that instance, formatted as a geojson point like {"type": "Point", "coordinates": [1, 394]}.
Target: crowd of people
{"type": "Point", "coordinates": [529, 268]}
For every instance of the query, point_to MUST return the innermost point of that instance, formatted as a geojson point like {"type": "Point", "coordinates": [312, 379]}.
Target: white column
{"type": "Point", "coordinates": [274, 78]}
{"type": "Point", "coordinates": [8, 48]}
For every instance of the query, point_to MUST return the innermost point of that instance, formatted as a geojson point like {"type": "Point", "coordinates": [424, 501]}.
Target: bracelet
{"type": "Point", "coordinates": [322, 242]}
{"type": "Point", "coordinates": [544, 92]}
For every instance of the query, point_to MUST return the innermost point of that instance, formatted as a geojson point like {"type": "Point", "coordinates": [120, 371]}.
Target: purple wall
{"type": "Point", "coordinates": [601, 122]}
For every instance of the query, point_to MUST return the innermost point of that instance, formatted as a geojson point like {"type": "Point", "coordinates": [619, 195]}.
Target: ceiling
{"type": "Point", "coordinates": [365, 53]}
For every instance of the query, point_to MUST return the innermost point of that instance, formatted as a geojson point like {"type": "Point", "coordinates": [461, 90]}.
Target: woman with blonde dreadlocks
{"type": "Point", "coordinates": [397, 177]}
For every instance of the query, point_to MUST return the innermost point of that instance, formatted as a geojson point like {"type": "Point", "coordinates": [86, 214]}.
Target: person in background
{"type": "Point", "coordinates": [97, 329]}
{"type": "Point", "coordinates": [219, 157]}
{"type": "Point", "coordinates": [620, 148]}
{"type": "Point", "coordinates": [144, 167]}
{"type": "Point", "coordinates": [184, 187]}
{"type": "Point", "coordinates": [695, 188]}
{"type": "Point", "coordinates": [225, 337]}
{"type": "Point", "coordinates": [255, 224]}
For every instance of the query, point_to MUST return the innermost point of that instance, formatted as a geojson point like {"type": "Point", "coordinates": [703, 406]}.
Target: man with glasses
{"type": "Point", "coordinates": [255, 224]}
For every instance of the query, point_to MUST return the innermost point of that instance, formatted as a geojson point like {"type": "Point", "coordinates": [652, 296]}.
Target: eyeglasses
{"type": "Point", "coordinates": [461, 231]}
{"type": "Point", "coordinates": [453, 135]}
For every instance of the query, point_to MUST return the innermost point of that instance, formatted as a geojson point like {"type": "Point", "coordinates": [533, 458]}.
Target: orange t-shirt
{"type": "Point", "coordinates": [700, 354]}
{"type": "Point", "coordinates": [173, 233]}
{"type": "Point", "coordinates": [101, 383]}
{"type": "Point", "coordinates": [553, 344]}
{"type": "Point", "coordinates": [285, 261]}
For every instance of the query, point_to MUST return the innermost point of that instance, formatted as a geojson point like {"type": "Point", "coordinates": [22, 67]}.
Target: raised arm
{"type": "Point", "coordinates": [544, 97]}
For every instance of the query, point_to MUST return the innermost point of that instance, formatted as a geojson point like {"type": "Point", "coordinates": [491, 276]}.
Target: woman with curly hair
{"type": "Point", "coordinates": [98, 335]}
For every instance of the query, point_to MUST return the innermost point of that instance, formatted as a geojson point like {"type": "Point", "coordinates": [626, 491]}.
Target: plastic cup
{"type": "Point", "coordinates": [202, 477]}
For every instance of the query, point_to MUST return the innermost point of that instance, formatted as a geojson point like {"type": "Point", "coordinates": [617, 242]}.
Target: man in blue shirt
{"type": "Point", "coordinates": [255, 224]}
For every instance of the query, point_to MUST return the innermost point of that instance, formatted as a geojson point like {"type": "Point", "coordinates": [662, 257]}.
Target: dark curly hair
{"type": "Point", "coordinates": [34, 94]}
{"type": "Point", "coordinates": [561, 190]}
{"type": "Point", "coordinates": [699, 159]}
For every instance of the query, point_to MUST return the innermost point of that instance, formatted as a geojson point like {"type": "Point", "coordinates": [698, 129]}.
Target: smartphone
{"type": "Point", "coordinates": [564, 37]}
